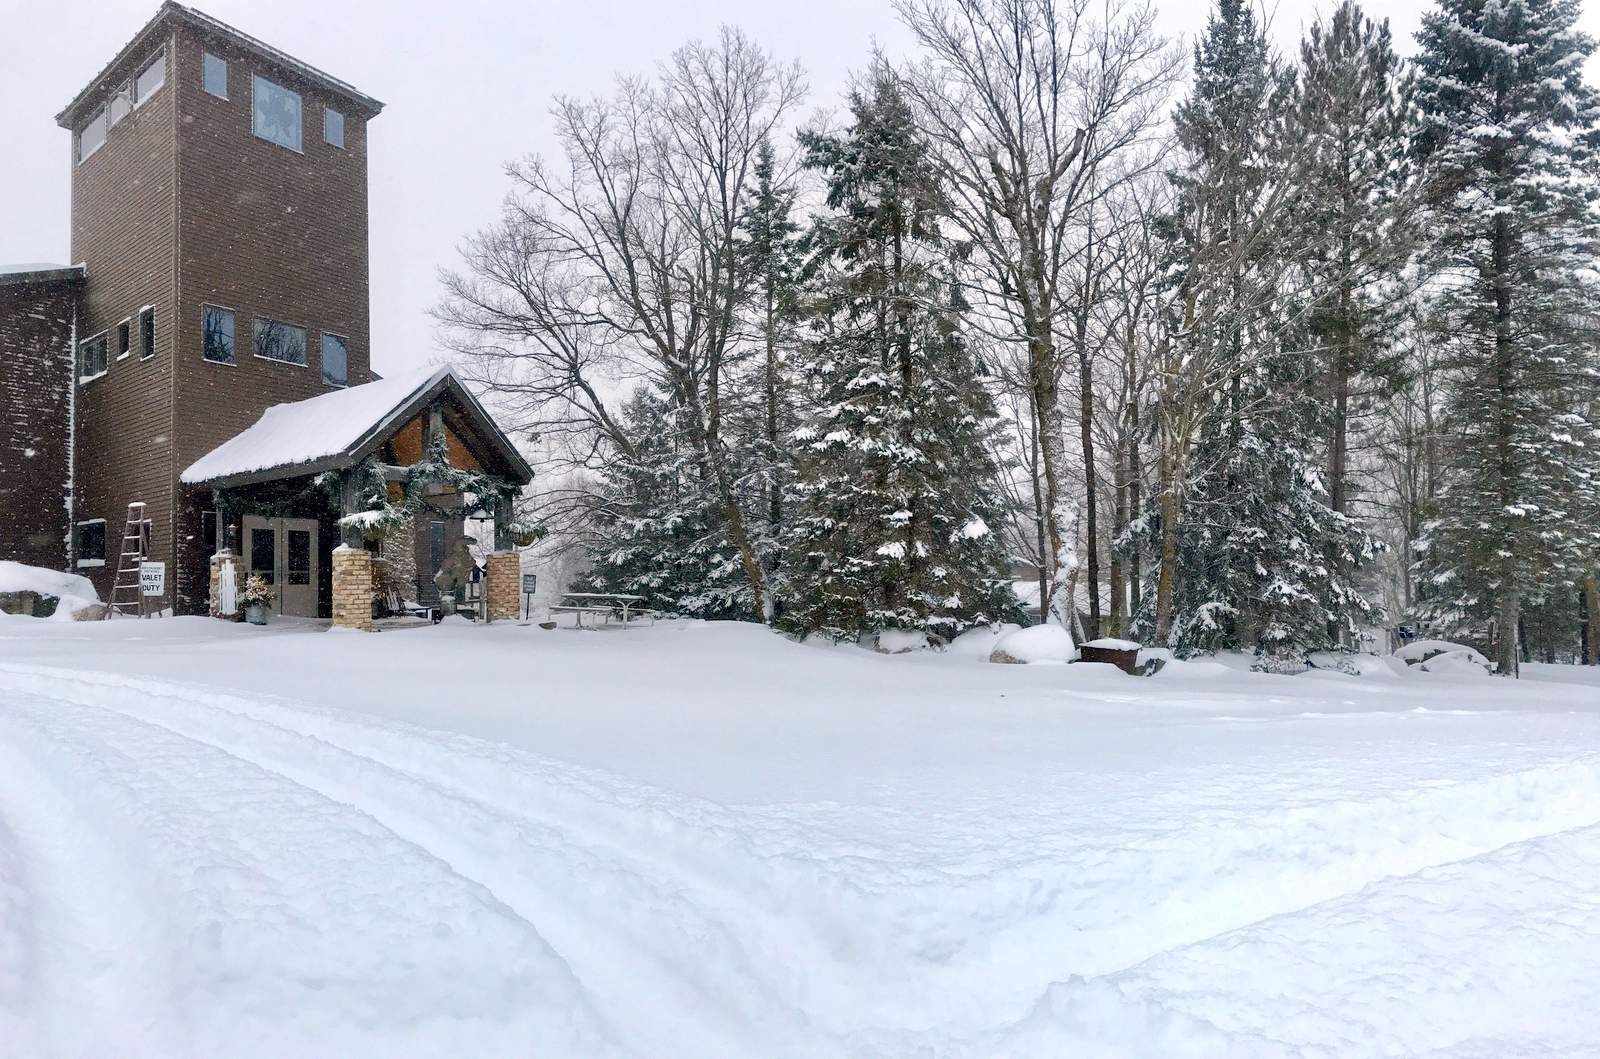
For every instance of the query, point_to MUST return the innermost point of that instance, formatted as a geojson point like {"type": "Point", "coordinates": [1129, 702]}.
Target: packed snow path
{"type": "Point", "coordinates": [188, 870]}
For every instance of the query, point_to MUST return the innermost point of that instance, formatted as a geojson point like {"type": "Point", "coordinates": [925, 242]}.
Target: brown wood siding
{"type": "Point", "coordinates": [124, 211]}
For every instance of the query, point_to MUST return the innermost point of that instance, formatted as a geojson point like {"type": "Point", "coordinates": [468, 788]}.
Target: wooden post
{"type": "Point", "coordinates": [349, 504]}
{"type": "Point", "coordinates": [502, 522]}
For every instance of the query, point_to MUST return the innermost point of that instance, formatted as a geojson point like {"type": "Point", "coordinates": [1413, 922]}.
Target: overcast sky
{"type": "Point", "coordinates": [467, 87]}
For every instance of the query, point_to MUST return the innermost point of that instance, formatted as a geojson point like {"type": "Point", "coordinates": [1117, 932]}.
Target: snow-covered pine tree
{"type": "Point", "coordinates": [1356, 202]}
{"type": "Point", "coordinates": [770, 246]}
{"type": "Point", "coordinates": [1508, 130]}
{"type": "Point", "coordinates": [1262, 562]}
{"type": "Point", "coordinates": [896, 490]}
{"type": "Point", "coordinates": [659, 531]}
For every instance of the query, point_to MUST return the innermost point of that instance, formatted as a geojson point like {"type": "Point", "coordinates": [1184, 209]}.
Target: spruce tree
{"type": "Point", "coordinates": [1263, 562]}
{"type": "Point", "coordinates": [897, 505]}
{"type": "Point", "coordinates": [659, 532]}
{"type": "Point", "coordinates": [1508, 129]}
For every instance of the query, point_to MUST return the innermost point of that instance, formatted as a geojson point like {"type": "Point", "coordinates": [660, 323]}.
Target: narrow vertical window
{"type": "Point", "coordinates": [335, 360]}
{"type": "Point", "coordinates": [92, 135]}
{"type": "Point", "coordinates": [333, 126]}
{"type": "Point", "coordinates": [151, 80]}
{"type": "Point", "coordinates": [147, 332]}
{"type": "Point", "coordinates": [214, 75]}
{"type": "Point", "coordinates": [124, 338]}
{"type": "Point", "coordinates": [216, 330]}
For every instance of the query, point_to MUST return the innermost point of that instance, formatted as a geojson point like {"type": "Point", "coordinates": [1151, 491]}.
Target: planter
{"type": "Point", "coordinates": [258, 614]}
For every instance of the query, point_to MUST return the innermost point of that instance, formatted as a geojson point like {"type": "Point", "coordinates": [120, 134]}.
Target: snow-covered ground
{"type": "Point", "coordinates": [702, 840]}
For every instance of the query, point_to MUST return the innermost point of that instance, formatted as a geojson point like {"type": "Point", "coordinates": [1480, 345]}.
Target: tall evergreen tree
{"type": "Point", "coordinates": [1356, 204]}
{"type": "Point", "coordinates": [1258, 559]}
{"type": "Point", "coordinates": [770, 245]}
{"type": "Point", "coordinates": [896, 490]}
{"type": "Point", "coordinates": [1509, 129]}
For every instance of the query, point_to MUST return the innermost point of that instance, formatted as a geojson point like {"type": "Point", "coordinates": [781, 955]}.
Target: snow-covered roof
{"type": "Point", "coordinates": [335, 430]}
{"type": "Point", "coordinates": [38, 272]}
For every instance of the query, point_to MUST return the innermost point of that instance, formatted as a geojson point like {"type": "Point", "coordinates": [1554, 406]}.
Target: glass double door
{"type": "Point", "coordinates": [283, 552]}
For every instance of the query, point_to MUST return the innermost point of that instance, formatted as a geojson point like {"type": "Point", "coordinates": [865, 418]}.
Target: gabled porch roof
{"type": "Point", "coordinates": [335, 431]}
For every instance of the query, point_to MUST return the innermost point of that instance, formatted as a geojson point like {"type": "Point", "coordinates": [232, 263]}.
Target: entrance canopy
{"type": "Point", "coordinates": [336, 431]}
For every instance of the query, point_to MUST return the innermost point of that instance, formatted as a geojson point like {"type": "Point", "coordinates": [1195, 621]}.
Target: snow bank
{"type": "Point", "coordinates": [72, 592]}
{"type": "Point", "coordinates": [900, 641]}
{"type": "Point", "coordinates": [1039, 643]}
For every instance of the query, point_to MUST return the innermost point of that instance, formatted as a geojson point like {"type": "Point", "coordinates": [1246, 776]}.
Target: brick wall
{"type": "Point", "coordinates": [35, 415]}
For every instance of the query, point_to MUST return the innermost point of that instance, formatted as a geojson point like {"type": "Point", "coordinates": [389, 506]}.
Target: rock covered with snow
{"type": "Point", "coordinates": [902, 641]}
{"type": "Point", "coordinates": [1039, 643]}
{"type": "Point", "coordinates": [74, 594]}
{"type": "Point", "coordinates": [1110, 643]}
{"type": "Point", "coordinates": [979, 642]}
{"type": "Point", "coordinates": [1418, 652]}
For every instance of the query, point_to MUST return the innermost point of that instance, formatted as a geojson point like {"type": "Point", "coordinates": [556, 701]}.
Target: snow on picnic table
{"type": "Point", "coordinates": [703, 840]}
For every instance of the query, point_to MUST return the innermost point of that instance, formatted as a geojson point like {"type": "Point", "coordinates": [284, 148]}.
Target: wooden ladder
{"type": "Point", "coordinates": [125, 597]}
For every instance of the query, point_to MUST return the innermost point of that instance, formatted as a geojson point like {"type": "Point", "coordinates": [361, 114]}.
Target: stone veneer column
{"type": "Point", "coordinates": [352, 588]}
{"type": "Point", "coordinates": [216, 584]}
{"type": "Point", "coordinates": [502, 585]}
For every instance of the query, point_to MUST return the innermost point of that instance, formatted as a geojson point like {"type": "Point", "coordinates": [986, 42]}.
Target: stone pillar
{"type": "Point", "coordinates": [352, 588]}
{"type": "Point", "coordinates": [225, 554]}
{"type": "Point", "coordinates": [502, 586]}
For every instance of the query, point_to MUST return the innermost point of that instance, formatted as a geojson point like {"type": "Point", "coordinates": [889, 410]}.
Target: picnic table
{"type": "Point", "coordinates": [602, 604]}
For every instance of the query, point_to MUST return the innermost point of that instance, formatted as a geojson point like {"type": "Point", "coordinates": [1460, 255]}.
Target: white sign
{"type": "Point", "coordinates": [152, 579]}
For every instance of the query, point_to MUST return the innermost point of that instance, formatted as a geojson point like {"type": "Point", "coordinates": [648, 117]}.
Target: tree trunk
{"type": "Point", "coordinates": [1135, 512]}
{"type": "Point", "coordinates": [1167, 578]}
{"type": "Point", "coordinates": [1091, 540]}
{"type": "Point", "coordinates": [1591, 595]}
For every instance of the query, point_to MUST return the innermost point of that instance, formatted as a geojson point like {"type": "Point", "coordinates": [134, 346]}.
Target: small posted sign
{"type": "Point", "coordinates": [530, 584]}
{"type": "Point", "coordinates": [152, 578]}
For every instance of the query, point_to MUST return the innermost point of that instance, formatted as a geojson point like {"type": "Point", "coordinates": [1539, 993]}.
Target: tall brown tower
{"type": "Point", "coordinates": [219, 204]}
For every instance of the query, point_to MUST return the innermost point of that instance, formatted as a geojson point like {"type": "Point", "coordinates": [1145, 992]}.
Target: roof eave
{"type": "Point", "coordinates": [71, 274]}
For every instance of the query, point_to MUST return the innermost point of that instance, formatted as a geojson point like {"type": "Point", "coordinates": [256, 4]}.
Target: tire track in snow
{"type": "Point", "coordinates": [295, 923]}
{"type": "Point", "coordinates": [1077, 916]}
{"type": "Point", "coordinates": [625, 932]}
{"type": "Point", "coordinates": [87, 936]}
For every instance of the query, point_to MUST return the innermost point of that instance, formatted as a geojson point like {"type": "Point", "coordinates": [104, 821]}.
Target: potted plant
{"type": "Point", "coordinates": [256, 599]}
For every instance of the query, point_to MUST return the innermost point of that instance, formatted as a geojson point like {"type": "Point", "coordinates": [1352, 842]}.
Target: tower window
{"type": "Point", "coordinates": [92, 136]}
{"type": "Point", "coordinates": [147, 332]}
{"type": "Point", "coordinates": [214, 75]}
{"type": "Point", "coordinates": [153, 77]}
{"type": "Point", "coordinates": [335, 360]}
{"type": "Point", "coordinates": [276, 114]}
{"type": "Point", "coordinates": [281, 342]}
{"type": "Point", "coordinates": [124, 336]}
{"type": "Point", "coordinates": [216, 329]}
{"type": "Point", "coordinates": [121, 104]}
{"type": "Point", "coordinates": [333, 126]}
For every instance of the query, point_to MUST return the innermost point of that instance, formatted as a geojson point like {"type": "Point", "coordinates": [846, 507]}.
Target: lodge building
{"type": "Point", "coordinates": [208, 353]}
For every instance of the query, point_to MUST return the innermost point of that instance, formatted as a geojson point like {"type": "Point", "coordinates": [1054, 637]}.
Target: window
{"type": "Point", "coordinates": [121, 104]}
{"type": "Point", "coordinates": [281, 342]}
{"type": "Point", "coordinates": [147, 332]}
{"type": "Point", "coordinates": [151, 80]}
{"type": "Point", "coordinates": [214, 75]}
{"type": "Point", "coordinates": [275, 114]}
{"type": "Point", "coordinates": [123, 336]}
{"type": "Point", "coordinates": [216, 329]}
{"type": "Point", "coordinates": [92, 542]}
{"type": "Point", "coordinates": [92, 135]}
{"type": "Point", "coordinates": [335, 360]}
{"type": "Point", "coordinates": [333, 126]}
{"type": "Point", "coordinates": [92, 358]}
